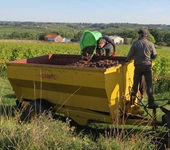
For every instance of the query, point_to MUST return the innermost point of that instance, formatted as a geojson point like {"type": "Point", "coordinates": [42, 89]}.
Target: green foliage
{"type": "Point", "coordinates": [127, 40]}
{"type": "Point", "coordinates": [167, 38]}
{"type": "Point", "coordinates": [151, 38]}
{"type": "Point", "coordinates": [19, 50]}
{"type": "Point", "coordinates": [158, 35]}
{"type": "Point", "coordinates": [161, 75]}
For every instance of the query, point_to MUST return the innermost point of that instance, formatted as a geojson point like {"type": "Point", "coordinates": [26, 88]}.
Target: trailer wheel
{"type": "Point", "coordinates": [35, 108]}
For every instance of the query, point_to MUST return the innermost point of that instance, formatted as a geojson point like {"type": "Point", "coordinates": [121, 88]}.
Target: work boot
{"type": "Point", "coordinates": [153, 105]}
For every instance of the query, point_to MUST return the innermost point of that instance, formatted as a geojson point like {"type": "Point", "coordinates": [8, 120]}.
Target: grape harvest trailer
{"type": "Point", "coordinates": [84, 91]}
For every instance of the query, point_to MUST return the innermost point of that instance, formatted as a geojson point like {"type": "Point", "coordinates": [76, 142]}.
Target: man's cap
{"type": "Point", "coordinates": [143, 32]}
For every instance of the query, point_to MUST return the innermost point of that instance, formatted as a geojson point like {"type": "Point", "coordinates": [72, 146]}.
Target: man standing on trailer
{"type": "Point", "coordinates": [143, 51]}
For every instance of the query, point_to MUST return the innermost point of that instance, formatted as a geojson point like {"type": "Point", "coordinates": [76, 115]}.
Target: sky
{"type": "Point", "coordinates": [87, 11]}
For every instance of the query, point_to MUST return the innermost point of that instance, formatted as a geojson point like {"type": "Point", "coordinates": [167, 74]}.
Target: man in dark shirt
{"type": "Point", "coordinates": [106, 46]}
{"type": "Point", "coordinates": [143, 51]}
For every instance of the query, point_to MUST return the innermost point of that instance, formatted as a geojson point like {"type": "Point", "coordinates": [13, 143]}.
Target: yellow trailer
{"type": "Point", "coordinates": [83, 93]}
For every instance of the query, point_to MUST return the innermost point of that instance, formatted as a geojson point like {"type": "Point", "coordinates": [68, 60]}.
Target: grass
{"type": "Point", "coordinates": [46, 133]}
{"type": "Point", "coordinates": [7, 95]}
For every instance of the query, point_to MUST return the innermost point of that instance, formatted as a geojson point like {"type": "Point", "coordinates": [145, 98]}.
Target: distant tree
{"type": "Point", "coordinates": [4, 36]}
{"type": "Point", "coordinates": [78, 35]}
{"type": "Point", "coordinates": [158, 35]}
{"type": "Point", "coordinates": [15, 35]}
{"type": "Point", "coordinates": [167, 38]}
{"type": "Point", "coordinates": [41, 36]}
{"type": "Point", "coordinates": [129, 34]}
{"type": "Point", "coordinates": [151, 38]}
{"type": "Point", "coordinates": [55, 32]}
{"type": "Point", "coordinates": [69, 34]}
{"type": "Point", "coordinates": [29, 35]}
{"type": "Point", "coordinates": [127, 40]}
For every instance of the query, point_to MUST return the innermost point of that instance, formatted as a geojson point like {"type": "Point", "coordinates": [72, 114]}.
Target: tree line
{"type": "Point", "coordinates": [158, 34]}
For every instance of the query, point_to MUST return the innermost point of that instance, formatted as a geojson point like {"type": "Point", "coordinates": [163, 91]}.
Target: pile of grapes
{"type": "Point", "coordinates": [87, 60]}
{"type": "Point", "coordinates": [97, 64]}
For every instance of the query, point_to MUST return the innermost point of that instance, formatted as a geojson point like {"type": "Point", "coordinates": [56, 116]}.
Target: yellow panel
{"type": "Point", "coordinates": [93, 89]}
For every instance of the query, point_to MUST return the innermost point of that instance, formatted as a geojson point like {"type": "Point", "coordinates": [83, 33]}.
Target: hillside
{"type": "Point", "coordinates": [37, 30]}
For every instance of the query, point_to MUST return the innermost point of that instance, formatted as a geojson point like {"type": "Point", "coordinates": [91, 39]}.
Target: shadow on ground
{"type": "Point", "coordinates": [10, 96]}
